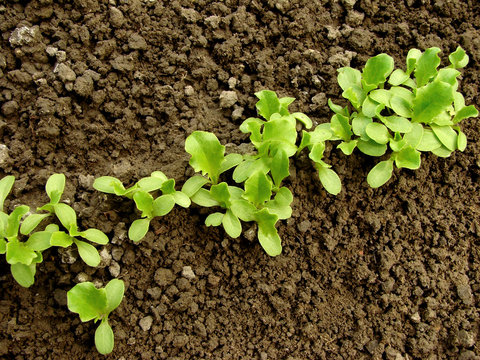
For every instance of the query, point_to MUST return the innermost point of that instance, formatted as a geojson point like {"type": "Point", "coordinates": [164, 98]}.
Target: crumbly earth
{"type": "Point", "coordinates": [113, 88]}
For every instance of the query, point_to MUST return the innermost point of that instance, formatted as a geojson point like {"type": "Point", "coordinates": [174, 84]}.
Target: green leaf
{"type": "Point", "coordinates": [39, 241]}
{"type": "Point", "coordinates": [230, 161]}
{"type": "Point", "coordinates": [401, 106]}
{"type": "Point", "coordinates": [221, 194]}
{"type": "Point", "coordinates": [60, 238]}
{"type": "Point", "coordinates": [109, 185]}
{"type": "Point", "coordinates": [431, 100]}
{"type": "Point", "coordinates": [341, 127]}
{"type": "Point", "coordinates": [397, 143]}
{"type": "Point", "coordinates": [168, 187]}
{"type": "Point", "coordinates": [87, 301]}
{"type": "Point", "coordinates": [397, 124]}
{"type": "Point", "coordinates": [5, 187]}
{"type": "Point", "coordinates": [426, 66]}
{"type": "Point", "coordinates": [319, 135]}
{"type": "Point", "coordinates": [13, 220]}
{"type": "Point", "coordinates": [163, 205]}
{"type": "Point", "coordinates": [104, 340]}
{"type": "Point", "coordinates": [88, 253]}
{"type": "Point", "coordinates": [31, 222]}
{"type": "Point", "coordinates": [464, 113]}
{"type": "Point", "coordinates": [347, 147]}
{"type": "Point", "coordinates": [268, 103]}
{"type": "Point", "coordinates": [231, 224]}
{"type": "Point", "coordinates": [96, 236]}
{"type": "Point", "coordinates": [193, 184]}
{"type": "Point", "coordinates": [114, 290]}
{"type": "Point", "coordinates": [380, 96]}
{"type": "Point", "coordinates": [214, 219]}
{"type": "Point", "coordinates": [258, 188]}
{"type": "Point", "coordinates": [18, 252]}
{"type": "Point", "coordinates": [304, 119]}
{"type": "Point", "coordinates": [316, 152]}
{"type": "Point", "coordinates": [203, 198]}
{"type": "Point", "coordinates": [442, 151]}
{"type": "Point", "coordinates": [408, 158]}
{"type": "Point", "coordinates": [138, 229]}
{"type": "Point", "coordinates": [371, 108]}
{"type": "Point", "coordinates": [243, 209]}
{"type": "Point", "coordinates": [458, 58]}
{"type": "Point", "coordinates": [24, 274]}
{"type": "Point", "coordinates": [207, 154]}
{"type": "Point", "coordinates": [150, 183]}
{"type": "Point", "coordinates": [337, 109]}
{"type": "Point", "coordinates": [446, 135]}
{"type": "Point", "coordinates": [461, 141]}
{"type": "Point", "coordinates": [398, 77]}
{"type": "Point", "coordinates": [267, 233]}
{"type": "Point", "coordinates": [371, 147]}
{"type": "Point", "coordinates": [348, 78]}
{"type": "Point", "coordinates": [280, 205]}
{"type": "Point", "coordinates": [253, 126]}
{"type": "Point", "coordinates": [412, 58]}
{"type": "Point", "coordinates": [330, 180]}
{"type": "Point", "coordinates": [54, 187]}
{"type": "Point", "coordinates": [181, 199]}
{"type": "Point", "coordinates": [279, 167]}
{"type": "Point", "coordinates": [280, 132]}
{"type": "Point", "coordinates": [380, 174]}
{"type": "Point", "coordinates": [429, 141]}
{"type": "Point", "coordinates": [3, 246]}
{"type": "Point", "coordinates": [144, 202]}
{"type": "Point", "coordinates": [377, 69]}
{"type": "Point", "coordinates": [448, 75]}
{"type": "Point", "coordinates": [67, 216]}
{"type": "Point", "coordinates": [359, 123]}
{"type": "Point", "coordinates": [356, 95]}
{"type": "Point", "coordinates": [378, 133]}
{"type": "Point", "coordinates": [414, 136]}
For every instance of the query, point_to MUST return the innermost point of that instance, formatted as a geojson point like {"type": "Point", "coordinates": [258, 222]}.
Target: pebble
{"type": "Point", "coordinates": [82, 277]}
{"type": "Point", "coordinates": [137, 42]}
{"type": "Point", "coordinates": [83, 85]}
{"type": "Point", "coordinates": [4, 157]}
{"type": "Point", "coordinates": [114, 269]}
{"type": "Point", "coordinates": [68, 255]}
{"type": "Point", "coordinates": [164, 277]}
{"type": "Point", "coordinates": [188, 273]}
{"type": "Point", "coordinates": [146, 323]}
{"type": "Point", "coordinates": [51, 51]}
{"type": "Point", "coordinates": [23, 35]}
{"type": "Point", "coordinates": [105, 258]}
{"type": "Point", "coordinates": [189, 90]}
{"type": "Point", "coordinates": [228, 99]}
{"type": "Point", "coordinates": [304, 226]}
{"type": "Point", "coordinates": [10, 108]}
{"type": "Point", "coordinates": [465, 293]}
{"type": "Point", "coordinates": [116, 17]}
{"type": "Point", "coordinates": [65, 73]}
{"type": "Point", "coordinates": [117, 254]}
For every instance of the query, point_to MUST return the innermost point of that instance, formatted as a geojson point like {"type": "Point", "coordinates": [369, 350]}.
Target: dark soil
{"type": "Point", "coordinates": [92, 89]}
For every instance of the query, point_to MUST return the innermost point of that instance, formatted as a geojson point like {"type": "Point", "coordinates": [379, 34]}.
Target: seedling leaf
{"type": "Point", "coordinates": [54, 187]}
{"type": "Point", "coordinates": [214, 219]}
{"type": "Point", "coordinates": [193, 184]}
{"type": "Point", "coordinates": [408, 158]}
{"type": "Point", "coordinates": [114, 291]}
{"type": "Point", "coordinates": [207, 154]}
{"type": "Point", "coordinates": [104, 340]}
{"type": "Point", "coordinates": [258, 188]}
{"type": "Point", "coordinates": [380, 173]}
{"type": "Point", "coordinates": [96, 236]}
{"type": "Point", "coordinates": [377, 132]}
{"type": "Point", "coordinates": [87, 301]}
{"type": "Point", "coordinates": [426, 66]}
{"type": "Point", "coordinates": [60, 238]}
{"type": "Point", "coordinates": [458, 58]}
{"type": "Point", "coordinates": [231, 224]}
{"type": "Point", "coordinates": [268, 104]}
{"type": "Point", "coordinates": [5, 187]}
{"type": "Point", "coordinates": [88, 253]}
{"type": "Point", "coordinates": [31, 222]}
{"type": "Point", "coordinates": [377, 69]}
{"type": "Point", "coordinates": [267, 233]}
{"type": "Point", "coordinates": [431, 100]}
{"type": "Point", "coordinates": [138, 229]}
{"type": "Point", "coordinates": [446, 135]}
{"type": "Point", "coordinates": [18, 252]}
{"type": "Point", "coordinates": [330, 180]}
{"type": "Point", "coordinates": [163, 205]}
{"type": "Point", "coordinates": [24, 274]}
{"type": "Point", "coordinates": [67, 216]}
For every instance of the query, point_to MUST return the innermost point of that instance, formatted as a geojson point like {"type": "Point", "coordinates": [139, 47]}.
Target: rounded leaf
{"type": "Point", "coordinates": [377, 69]}
{"type": "Point", "coordinates": [115, 290]}
{"type": "Point", "coordinates": [31, 222]}
{"type": "Point", "coordinates": [377, 132]}
{"type": "Point", "coordinates": [66, 215]}
{"type": "Point", "coordinates": [96, 236]}
{"type": "Point", "coordinates": [138, 229]}
{"type": "Point", "coordinates": [108, 184]}
{"type": "Point", "coordinates": [206, 153]}
{"type": "Point", "coordinates": [88, 253]}
{"type": "Point", "coordinates": [380, 173]}
{"type": "Point", "coordinates": [5, 187]}
{"type": "Point", "coordinates": [163, 205]}
{"type": "Point", "coordinates": [104, 339]}
{"type": "Point", "coordinates": [330, 180]}
{"type": "Point", "coordinates": [54, 187]}
{"type": "Point", "coordinates": [181, 199]}
{"type": "Point", "coordinates": [24, 274]}
{"type": "Point", "coordinates": [231, 224]}
{"type": "Point", "coordinates": [193, 184]}
{"type": "Point", "coordinates": [87, 301]}
{"type": "Point", "coordinates": [214, 219]}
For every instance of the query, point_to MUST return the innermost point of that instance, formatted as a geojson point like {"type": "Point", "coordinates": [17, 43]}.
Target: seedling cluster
{"type": "Point", "coordinates": [407, 111]}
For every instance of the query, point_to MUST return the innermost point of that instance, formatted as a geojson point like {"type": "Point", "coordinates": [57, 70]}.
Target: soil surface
{"type": "Point", "coordinates": [99, 88]}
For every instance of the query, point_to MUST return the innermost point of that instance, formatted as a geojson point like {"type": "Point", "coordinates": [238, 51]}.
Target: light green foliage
{"type": "Point", "coordinates": [24, 255]}
{"type": "Point", "coordinates": [149, 206]}
{"type": "Point", "coordinates": [408, 111]}
{"type": "Point", "coordinates": [262, 198]}
{"type": "Point", "coordinates": [96, 304]}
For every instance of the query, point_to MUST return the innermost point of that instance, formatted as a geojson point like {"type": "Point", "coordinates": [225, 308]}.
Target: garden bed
{"type": "Point", "coordinates": [94, 89]}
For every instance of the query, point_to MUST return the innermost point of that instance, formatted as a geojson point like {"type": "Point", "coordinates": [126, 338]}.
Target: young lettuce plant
{"type": "Point", "coordinates": [252, 204]}
{"type": "Point", "coordinates": [410, 111]}
{"type": "Point", "coordinates": [149, 206]}
{"type": "Point", "coordinates": [96, 304]}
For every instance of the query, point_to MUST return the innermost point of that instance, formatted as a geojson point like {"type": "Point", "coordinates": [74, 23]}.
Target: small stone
{"type": "Point", "coordinates": [232, 82]}
{"type": "Point", "coordinates": [146, 323]}
{"type": "Point", "coordinates": [189, 90]}
{"type": "Point", "coordinates": [213, 21]}
{"type": "Point", "coordinates": [164, 277]}
{"type": "Point", "coordinates": [416, 318]}
{"type": "Point", "coordinates": [65, 73]}
{"type": "Point", "coordinates": [60, 297]}
{"type": "Point", "coordinates": [188, 273]}
{"type": "Point", "coordinates": [228, 99]}
{"type": "Point", "coordinates": [116, 17]}
{"type": "Point", "coordinates": [320, 99]}
{"type": "Point", "coordinates": [263, 355]}
{"type": "Point", "coordinates": [105, 258]}
{"type": "Point", "coordinates": [83, 86]}
{"type": "Point", "coordinates": [51, 51]}
{"type": "Point", "coordinates": [251, 233]}
{"type": "Point", "coordinates": [123, 63]}
{"type": "Point", "coordinates": [465, 293]}
{"type": "Point", "coordinates": [82, 277]}
{"type": "Point", "coordinates": [191, 15]}
{"type": "Point", "coordinates": [237, 113]}
{"type": "Point", "coordinates": [86, 181]}
{"type": "Point", "coordinates": [155, 293]}
{"type": "Point", "coordinates": [45, 106]}
{"type": "Point", "coordinates": [200, 329]}
{"type": "Point", "coordinates": [114, 269]}
{"type": "Point", "coordinates": [4, 157]}
{"type": "Point", "coordinates": [23, 35]}
{"type": "Point", "coordinates": [180, 341]}
{"type": "Point", "coordinates": [3, 61]}
{"type": "Point", "coordinates": [466, 339]}
{"type": "Point", "coordinates": [137, 42]}
{"type": "Point", "coordinates": [117, 253]}
{"type": "Point", "coordinates": [10, 108]}
{"type": "Point", "coordinates": [304, 226]}
{"type": "Point", "coordinates": [349, 4]}
{"type": "Point", "coordinates": [68, 255]}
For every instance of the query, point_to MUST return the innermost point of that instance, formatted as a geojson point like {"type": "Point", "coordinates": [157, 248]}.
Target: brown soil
{"type": "Point", "coordinates": [98, 89]}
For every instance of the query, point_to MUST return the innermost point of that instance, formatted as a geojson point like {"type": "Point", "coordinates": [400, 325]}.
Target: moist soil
{"type": "Point", "coordinates": [95, 88]}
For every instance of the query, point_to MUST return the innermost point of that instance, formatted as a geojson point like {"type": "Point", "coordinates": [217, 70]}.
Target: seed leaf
{"type": "Point", "coordinates": [39, 241]}
{"type": "Point", "coordinates": [347, 147]}
{"type": "Point", "coordinates": [377, 69]}
{"type": "Point", "coordinates": [414, 136]}
{"type": "Point", "coordinates": [31, 222]}
{"type": "Point", "coordinates": [408, 158]}
{"type": "Point", "coordinates": [96, 236]}
{"type": "Point", "coordinates": [88, 253]}
{"type": "Point", "coordinates": [181, 199]}
{"type": "Point", "coordinates": [54, 187]}
{"type": "Point", "coordinates": [380, 174]}
{"type": "Point", "coordinates": [5, 186]}
{"type": "Point", "coordinates": [243, 209]}
{"type": "Point", "coordinates": [348, 78]}
{"type": "Point", "coordinates": [214, 219]}
{"type": "Point", "coordinates": [267, 233]}
{"type": "Point", "coordinates": [61, 239]}
{"type": "Point", "coordinates": [67, 216]}
{"type": "Point", "coordinates": [204, 198]}
{"type": "Point", "coordinates": [429, 141]}
{"type": "Point", "coordinates": [163, 205]}
{"type": "Point", "coordinates": [231, 224]}
{"type": "Point", "coordinates": [109, 185]}
{"type": "Point", "coordinates": [18, 252]}
{"type": "Point", "coordinates": [193, 184]}
{"type": "Point", "coordinates": [24, 274]}
{"type": "Point", "coordinates": [330, 180]}
{"type": "Point", "coordinates": [138, 229]}
{"type": "Point", "coordinates": [397, 124]}
{"type": "Point", "coordinates": [371, 147]}
{"type": "Point", "coordinates": [114, 291]}
{"type": "Point", "coordinates": [304, 119]}
{"type": "Point", "coordinates": [446, 135]}
{"type": "Point", "coordinates": [104, 339]}
{"type": "Point", "coordinates": [378, 133]}
{"type": "Point", "coordinates": [461, 141]}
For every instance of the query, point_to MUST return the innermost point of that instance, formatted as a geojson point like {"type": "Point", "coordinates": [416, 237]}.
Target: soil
{"type": "Point", "coordinates": [99, 88]}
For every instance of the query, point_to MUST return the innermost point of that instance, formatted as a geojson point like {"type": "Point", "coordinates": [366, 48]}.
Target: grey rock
{"type": "Point", "coordinates": [228, 99]}
{"type": "Point", "coordinates": [51, 51]}
{"type": "Point", "coordinates": [464, 291]}
{"type": "Point", "coordinates": [64, 72]}
{"type": "Point", "coordinates": [4, 157]}
{"type": "Point", "coordinates": [117, 254]}
{"type": "Point", "coordinates": [137, 42]}
{"type": "Point", "coordinates": [189, 90]}
{"type": "Point", "coordinates": [23, 35]}
{"type": "Point", "coordinates": [83, 86]}
{"type": "Point", "coordinates": [146, 323]}
{"type": "Point", "coordinates": [114, 269]}
{"type": "Point", "coordinates": [188, 273]}
{"type": "Point", "coordinates": [164, 277]}
{"type": "Point", "coordinates": [116, 17]}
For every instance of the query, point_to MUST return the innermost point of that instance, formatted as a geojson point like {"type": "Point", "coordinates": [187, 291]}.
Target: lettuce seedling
{"type": "Point", "coordinates": [149, 206]}
{"type": "Point", "coordinates": [409, 111]}
{"type": "Point", "coordinates": [96, 304]}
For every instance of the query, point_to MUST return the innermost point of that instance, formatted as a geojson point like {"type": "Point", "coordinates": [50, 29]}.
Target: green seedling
{"type": "Point", "coordinates": [409, 111]}
{"type": "Point", "coordinates": [149, 206]}
{"type": "Point", "coordinates": [252, 204]}
{"type": "Point", "coordinates": [96, 304]}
